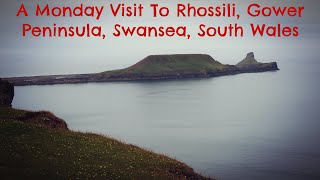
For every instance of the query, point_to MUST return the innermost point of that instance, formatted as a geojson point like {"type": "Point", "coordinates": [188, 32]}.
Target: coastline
{"type": "Point", "coordinates": [155, 68]}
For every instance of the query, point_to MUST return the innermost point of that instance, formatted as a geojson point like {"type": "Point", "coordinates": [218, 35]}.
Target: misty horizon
{"type": "Point", "coordinates": [20, 56]}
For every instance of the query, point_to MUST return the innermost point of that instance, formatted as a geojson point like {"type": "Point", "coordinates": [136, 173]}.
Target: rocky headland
{"type": "Point", "coordinates": [157, 67]}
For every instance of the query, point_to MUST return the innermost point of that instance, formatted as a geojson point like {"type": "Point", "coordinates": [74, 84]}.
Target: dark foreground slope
{"type": "Point", "coordinates": [36, 151]}
{"type": "Point", "coordinates": [157, 67]}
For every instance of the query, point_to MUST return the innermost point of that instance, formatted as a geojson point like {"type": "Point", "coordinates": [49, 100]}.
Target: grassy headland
{"type": "Point", "coordinates": [30, 150]}
{"type": "Point", "coordinates": [157, 67]}
{"type": "Point", "coordinates": [180, 63]}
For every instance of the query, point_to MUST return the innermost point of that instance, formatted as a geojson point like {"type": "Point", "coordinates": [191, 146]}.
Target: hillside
{"type": "Point", "coordinates": [35, 151]}
{"type": "Point", "coordinates": [172, 64]}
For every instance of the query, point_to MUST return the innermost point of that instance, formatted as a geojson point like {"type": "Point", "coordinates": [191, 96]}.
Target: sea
{"type": "Point", "coordinates": [260, 126]}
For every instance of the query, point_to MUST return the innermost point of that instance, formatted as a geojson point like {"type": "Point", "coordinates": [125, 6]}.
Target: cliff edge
{"type": "Point", "coordinates": [6, 93]}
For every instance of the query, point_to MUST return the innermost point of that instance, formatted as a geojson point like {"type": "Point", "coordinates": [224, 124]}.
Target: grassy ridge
{"type": "Point", "coordinates": [172, 64]}
{"type": "Point", "coordinates": [32, 152]}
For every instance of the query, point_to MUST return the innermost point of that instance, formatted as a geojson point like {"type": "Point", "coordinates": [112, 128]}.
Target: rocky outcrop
{"type": "Point", "coordinates": [249, 60]}
{"type": "Point", "coordinates": [44, 119]}
{"type": "Point", "coordinates": [6, 93]}
{"type": "Point", "coordinates": [250, 64]}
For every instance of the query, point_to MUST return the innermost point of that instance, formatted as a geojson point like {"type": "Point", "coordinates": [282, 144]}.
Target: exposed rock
{"type": "Point", "coordinates": [250, 64]}
{"type": "Point", "coordinates": [249, 60]}
{"type": "Point", "coordinates": [6, 93]}
{"type": "Point", "coordinates": [44, 119]}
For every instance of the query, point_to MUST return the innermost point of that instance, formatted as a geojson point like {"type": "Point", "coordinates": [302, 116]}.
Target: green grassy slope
{"type": "Point", "coordinates": [32, 152]}
{"type": "Point", "coordinates": [172, 64]}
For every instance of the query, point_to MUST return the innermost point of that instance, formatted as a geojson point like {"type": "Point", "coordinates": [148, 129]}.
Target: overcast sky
{"type": "Point", "coordinates": [34, 56]}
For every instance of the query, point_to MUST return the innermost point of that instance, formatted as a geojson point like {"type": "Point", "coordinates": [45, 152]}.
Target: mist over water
{"type": "Point", "coordinates": [249, 126]}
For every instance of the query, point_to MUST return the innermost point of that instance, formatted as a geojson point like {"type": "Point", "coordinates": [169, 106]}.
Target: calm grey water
{"type": "Point", "coordinates": [249, 126]}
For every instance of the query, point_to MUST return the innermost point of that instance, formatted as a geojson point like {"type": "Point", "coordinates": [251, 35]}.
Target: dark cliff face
{"type": "Point", "coordinates": [6, 93]}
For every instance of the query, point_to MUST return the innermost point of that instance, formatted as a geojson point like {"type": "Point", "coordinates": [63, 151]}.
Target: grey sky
{"type": "Point", "coordinates": [26, 56]}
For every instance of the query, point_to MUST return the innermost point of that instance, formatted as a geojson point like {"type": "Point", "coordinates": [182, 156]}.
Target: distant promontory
{"type": "Point", "coordinates": [157, 67]}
